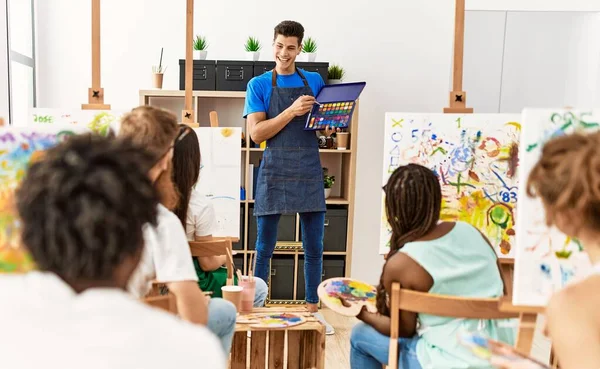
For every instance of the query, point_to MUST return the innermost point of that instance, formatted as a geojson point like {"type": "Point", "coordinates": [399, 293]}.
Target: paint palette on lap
{"type": "Point", "coordinates": [336, 104]}
{"type": "Point", "coordinates": [272, 321]}
{"type": "Point", "coordinates": [356, 293]}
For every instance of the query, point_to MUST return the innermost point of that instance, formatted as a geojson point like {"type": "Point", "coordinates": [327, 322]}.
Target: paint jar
{"type": "Point", "coordinates": [248, 293]}
{"type": "Point", "coordinates": [233, 294]}
{"type": "Point", "coordinates": [342, 140]}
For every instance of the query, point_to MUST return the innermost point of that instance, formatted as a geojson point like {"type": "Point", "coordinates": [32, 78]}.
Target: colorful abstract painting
{"type": "Point", "coordinates": [546, 260]}
{"type": "Point", "coordinates": [475, 157]}
{"type": "Point", "coordinates": [101, 122]}
{"type": "Point", "coordinates": [18, 148]}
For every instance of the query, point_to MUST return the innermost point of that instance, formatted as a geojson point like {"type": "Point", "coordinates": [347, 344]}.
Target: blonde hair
{"type": "Point", "coordinates": [567, 178]}
{"type": "Point", "coordinates": [154, 129]}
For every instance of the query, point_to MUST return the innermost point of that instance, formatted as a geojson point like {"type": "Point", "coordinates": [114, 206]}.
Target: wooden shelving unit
{"type": "Point", "coordinates": [341, 163]}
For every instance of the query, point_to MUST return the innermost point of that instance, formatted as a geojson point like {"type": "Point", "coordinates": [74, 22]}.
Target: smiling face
{"type": "Point", "coordinates": [285, 51]}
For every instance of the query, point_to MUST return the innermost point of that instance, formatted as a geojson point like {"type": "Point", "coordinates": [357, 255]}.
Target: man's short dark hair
{"type": "Point", "coordinates": [83, 206]}
{"type": "Point", "coordinates": [289, 28]}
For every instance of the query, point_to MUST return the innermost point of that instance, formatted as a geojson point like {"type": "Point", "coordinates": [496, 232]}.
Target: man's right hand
{"type": "Point", "coordinates": [302, 105]}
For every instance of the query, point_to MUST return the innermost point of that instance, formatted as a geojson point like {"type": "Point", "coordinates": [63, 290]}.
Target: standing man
{"type": "Point", "coordinates": [290, 178]}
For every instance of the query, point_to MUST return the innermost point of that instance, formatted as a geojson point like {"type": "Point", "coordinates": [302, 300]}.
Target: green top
{"type": "Point", "coordinates": [461, 263]}
{"type": "Point", "coordinates": [212, 281]}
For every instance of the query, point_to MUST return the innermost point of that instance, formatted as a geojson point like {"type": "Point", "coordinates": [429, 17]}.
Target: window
{"type": "Point", "coordinates": [21, 56]}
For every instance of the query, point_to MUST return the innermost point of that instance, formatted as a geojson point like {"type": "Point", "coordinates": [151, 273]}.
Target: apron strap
{"type": "Point", "coordinates": [274, 78]}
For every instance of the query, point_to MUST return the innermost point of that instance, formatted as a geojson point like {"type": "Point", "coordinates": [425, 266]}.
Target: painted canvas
{"type": "Point", "coordinates": [476, 158]}
{"type": "Point", "coordinates": [546, 260]}
{"type": "Point", "coordinates": [18, 148]}
{"type": "Point", "coordinates": [220, 175]}
{"type": "Point", "coordinates": [98, 121]}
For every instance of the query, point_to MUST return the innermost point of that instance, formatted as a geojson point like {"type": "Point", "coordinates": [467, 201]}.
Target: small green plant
{"type": "Point", "coordinates": [200, 43]}
{"type": "Point", "coordinates": [252, 44]}
{"type": "Point", "coordinates": [335, 72]}
{"type": "Point", "coordinates": [328, 180]}
{"type": "Point", "coordinates": [309, 45]}
{"type": "Point", "coordinates": [159, 69]}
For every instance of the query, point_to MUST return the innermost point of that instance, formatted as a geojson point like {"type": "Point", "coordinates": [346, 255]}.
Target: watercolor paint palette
{"type": "Point", "coordinates": [336, 104]}
{"type": "Point", "coordinates": [271, 321]}
{"type": "Point", "coordinates": [356, 294]}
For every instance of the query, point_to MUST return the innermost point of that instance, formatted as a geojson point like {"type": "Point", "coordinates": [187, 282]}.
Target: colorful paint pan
{"type": "Point", "coordinates": [356, 293]}
{"type": "Point", "coordinates": [272, 321]}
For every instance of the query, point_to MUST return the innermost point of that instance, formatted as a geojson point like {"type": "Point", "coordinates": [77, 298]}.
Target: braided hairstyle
{"type": "Point", "coordinates": [567, 179]}
{"type": "Point", "coordinates": [413, 200]}
{"type": "Point", "coordinates": [83, 205]}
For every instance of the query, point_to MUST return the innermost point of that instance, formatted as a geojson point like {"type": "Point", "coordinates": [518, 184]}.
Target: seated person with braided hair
{"type": "Point", "coordinates": [83, 207]}
{"type": "Point", "coordinates": [426, 255]}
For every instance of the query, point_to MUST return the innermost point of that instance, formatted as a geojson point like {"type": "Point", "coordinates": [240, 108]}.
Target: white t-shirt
{"type": "Point", "coordinates": [166, 256]}
{"type": "Point", "coordinates": [201, 219]}
{"type": "Point", "coordinates": [45, 324]}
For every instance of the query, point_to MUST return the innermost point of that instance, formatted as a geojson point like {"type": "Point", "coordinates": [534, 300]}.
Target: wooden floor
{"type": "Point", "coordinates": [337, 346]}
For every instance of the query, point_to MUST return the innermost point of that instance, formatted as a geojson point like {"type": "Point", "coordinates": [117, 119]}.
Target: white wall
{"type": "Point", "coordinates": [520, 59]}
{"type": "Point", "coordinates": [534, 5]}
{"type": "Point", "coordinates": [402, 49]}
{"type": "Point", "coordinates": [4, 81]}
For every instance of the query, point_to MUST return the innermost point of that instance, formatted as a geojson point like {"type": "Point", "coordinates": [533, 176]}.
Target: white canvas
{"type": "Point", "coordinates": [476, 159]}
{"type": "Point", "coordinates": [546, 260]}
{"type": "Point", "coordinates": [220, 175]}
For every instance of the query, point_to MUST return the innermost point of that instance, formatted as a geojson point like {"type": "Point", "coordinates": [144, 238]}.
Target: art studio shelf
{"type": "Point", "coordinates": [288, 259]}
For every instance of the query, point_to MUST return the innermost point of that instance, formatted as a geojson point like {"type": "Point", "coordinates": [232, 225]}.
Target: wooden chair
{"type": "Point", "coordinates": [215, 247]}
{"type": "Point", "coordinates": [164, 302]}
{"type": "Point", "coordinates": [448, 306]}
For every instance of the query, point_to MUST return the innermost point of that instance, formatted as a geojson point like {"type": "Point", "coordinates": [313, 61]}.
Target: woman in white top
{"type": "Point", "coordinates": [197, 213]}
{"type": "Point", "coordinates": [167, 257]}
{"type": "Point", "coordinates": [83, 208]}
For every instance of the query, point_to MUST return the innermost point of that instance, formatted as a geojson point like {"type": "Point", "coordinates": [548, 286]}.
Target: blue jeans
{"type": "Point", "coordinates": [221, 321]}
{"type": "Point", "coordinates": [260, 293]}
{"type": "Point", "coordinates": [313, 227]}
{"type": "Point", "coordinates": [369, 349]}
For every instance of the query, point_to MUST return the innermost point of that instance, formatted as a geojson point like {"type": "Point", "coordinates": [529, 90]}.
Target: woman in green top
{"type": "Point", "coordinates": [197, 215]}
{"type": "Point", "coordinates": [426, 255]}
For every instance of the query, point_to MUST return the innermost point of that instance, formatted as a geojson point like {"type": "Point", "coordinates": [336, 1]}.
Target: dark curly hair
{"type": "Point", "coordinates": [413, 201]}
{"type": "Point", "coordinates": [289, 28]}
{"type": "Point", "coordinates": [83, 205]}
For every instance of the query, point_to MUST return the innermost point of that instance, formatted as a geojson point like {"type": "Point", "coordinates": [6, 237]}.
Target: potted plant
{"type": "Point", "coordinates": [200, 46]}
{"type": "Point", "coordinates": [253, 47]}
{"type": "Point", "coordinates": [335, 74]}
{"type": "Point", "coordinates": [328, 182]}
{"type": "Point", "coordinates": [158, 72]}
{"type": "Point", "coordinates": [309, 47]}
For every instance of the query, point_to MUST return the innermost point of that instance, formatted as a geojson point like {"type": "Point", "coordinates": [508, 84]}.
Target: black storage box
{"type": "Point", "coordinates": [234, 75]}
{"type": "Point", "coordinates": [240, 244]}
{"type": "Point", "coordinates": [238, 260]}
{"type": "Point", "coordinates": [321, 67]}
{"type": "Point", "coordinates": [286, 230]}
{"type": "Point", "coordinates": [261, 67]}
{"type": "Point", "coordinates": [336, 229]}
{"type": "Point", "coordinates": [282, 278]}
{"type": "Point", "coordinates": [333, 266]}
{"type": "Point", "coordinates": [204, 75]}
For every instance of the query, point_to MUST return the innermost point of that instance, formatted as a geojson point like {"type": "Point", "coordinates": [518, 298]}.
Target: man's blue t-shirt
{"type": "Point", "coordinates": [258, 92]}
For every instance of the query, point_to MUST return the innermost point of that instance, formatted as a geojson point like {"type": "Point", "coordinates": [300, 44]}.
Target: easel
{"type": "Point", "coordinates": [458, 97]}
{"type": "Point", "coordinates": [187, 114]}
{"type": "Point", "coordinates": [96, 92]}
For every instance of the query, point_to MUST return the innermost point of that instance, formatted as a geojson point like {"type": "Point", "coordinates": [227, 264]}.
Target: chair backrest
{"type": "Point", "coordinates": [439, 305]}
{"type": "Point", "coordinates": [215, 247]}
{"type": "Point", "coordinates": [164, 302]}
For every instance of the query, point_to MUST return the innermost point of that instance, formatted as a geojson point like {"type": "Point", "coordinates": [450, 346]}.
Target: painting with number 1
{"type": "Point", "coordinates": [546, 260]}
{"type": "Point", "coordinates": [476, 159]}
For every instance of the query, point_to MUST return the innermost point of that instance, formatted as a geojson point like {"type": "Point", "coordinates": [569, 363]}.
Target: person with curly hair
{"type": "Point", "coordinates": [83, 207]}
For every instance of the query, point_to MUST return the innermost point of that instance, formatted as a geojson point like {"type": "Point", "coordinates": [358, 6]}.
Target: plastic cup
{"type": "Point", "coordinates": [248, 292]}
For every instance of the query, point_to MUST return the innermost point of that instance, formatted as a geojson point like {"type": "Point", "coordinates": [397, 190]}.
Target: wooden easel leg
{"type": "Point", "coordinates": [526, 331]}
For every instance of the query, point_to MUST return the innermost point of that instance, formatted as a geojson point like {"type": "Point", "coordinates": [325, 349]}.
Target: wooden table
{"type": "Point", "coordinates": [298, 347]}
